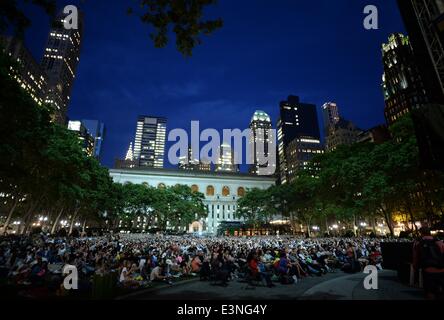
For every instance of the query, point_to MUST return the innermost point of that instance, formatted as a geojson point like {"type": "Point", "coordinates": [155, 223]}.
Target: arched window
{"type": "Point", "coordinates": [194, 188]}
{"type": "Point", "coordinates": [225, 191]}
{"type": "Point", "coordinates": [161, 186]}
{"type": "Point", "coordinates": [240, 192]}
{"type": "Point", "coordinates": [210, 191]}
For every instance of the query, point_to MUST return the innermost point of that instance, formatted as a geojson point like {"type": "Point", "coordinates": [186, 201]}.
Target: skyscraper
{"type": "Point", "coordinates": [402, 84]}
{"type": "Point", "coordinates": [97, 130]}
{"type": "Point", "coordinates": [424, 21]}
{"type": "Point", "coordinates": [330, 115]}
{"type": "Point", "coordinates": [296, 120]}
{"type": "Point", "coordinates": [260, 125]}
{"type": "Point", "coordinates": [192, 163]}
{"type": "Point", "coordinates": [299, 152]}
{"type": "Point", "coordinates": [29, 74]}
{"type": "Point", "coordinates": [60, 60]}
{"type": "Point", "coordinates": [149, 144]}
{"type": "Point", "coordinates": [84, 136]}
{"type": "Point", "coordinates": [226, 161]}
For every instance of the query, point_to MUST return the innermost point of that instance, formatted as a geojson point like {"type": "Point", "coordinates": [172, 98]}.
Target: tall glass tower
{"type": "Point", "coordinates": [260, 123]}
{"type": "Point", "coordinates": [149, 144]}
{"type": "Point", "coordinates": [297, 120]}
{"type": "Point", "coordinates": [60, 61]}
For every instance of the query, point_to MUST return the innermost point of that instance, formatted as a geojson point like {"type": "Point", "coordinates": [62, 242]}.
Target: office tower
{"type": "Point", "coordinates": [97, 130]}
{"type": "Point", "coordinates": [87, 141]}
{"type": "Point", "coordinates": [424, 21]}
{"type": "Point", "coordinates": [29, 74]}
{"type": "Point", "coordinates": [296, 120]}
{"type": "Point", "coordinates": [402, 85]}
{"type": "Point", "coordinates": [260, 125]}
{"type": "Point", "coordinates": [226, 159]}
{"type": "Point", "coordinates": [299, 153]}
{"type": "Point", "coordinates": [60, 60]}
{"type": "Point", "coordinates": [192, 163]}
{"type": "Point", "coordinates": [149, 144]}
{"type": "Point", "coordinates": [330, 115]}
{"type": "Point", "coordinates": [344, 132]}
{"type": "Point", "coordinates": [189, 162]}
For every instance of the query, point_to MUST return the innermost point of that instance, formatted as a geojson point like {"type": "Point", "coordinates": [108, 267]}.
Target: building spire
{"type": "Point", "coordinates": [130, 153]}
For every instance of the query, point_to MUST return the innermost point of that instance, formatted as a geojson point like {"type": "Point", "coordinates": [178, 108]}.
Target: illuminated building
{"type": "Point", "coordinates": [297, 120]}
{"type": "Point", "coordinates": [87, 141]}
{"type": "Point", "coordinates": [424, 21]}
{"type": "Point", "coordinates": [149, 144]}
{"type": "Point", "coordinates": [29, 74]}
{"type": "Point", "coordinates": [60, 60]}
{"type": "Point", "coordinates": [402, 85]}
{"type": "Point", "coordinates": [191, 163]}
{"type": "Point", "coordinates": [330, 115]}
{"type": "Point", "coordinates": [226, 161]}
{"type": "Point", "coordinates": [221, 191]}
{"type": "Point", "coordinates": [97, 130]}
{"type": "Point", "coordinates": [260, 125]}
{"type": "Point", "coordinates": [299, 153]}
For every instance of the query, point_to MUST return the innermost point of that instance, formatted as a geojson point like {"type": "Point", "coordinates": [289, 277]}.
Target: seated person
{"type": "Point", "coordinates": [157, 275]}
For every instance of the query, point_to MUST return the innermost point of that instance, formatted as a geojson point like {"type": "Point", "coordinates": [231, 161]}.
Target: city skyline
{"type": "Point", "coordinates": [316, 76]}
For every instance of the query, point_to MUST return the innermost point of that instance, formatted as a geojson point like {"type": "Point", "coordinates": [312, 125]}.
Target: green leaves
{"type": "Point", "coordinates": [177, 205]}
{"type": "Point", "coordinates": [183, 17]}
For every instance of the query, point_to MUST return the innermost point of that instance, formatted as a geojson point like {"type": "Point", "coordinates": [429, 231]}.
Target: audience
{"type": "Point", "coordinates": [139, 259]}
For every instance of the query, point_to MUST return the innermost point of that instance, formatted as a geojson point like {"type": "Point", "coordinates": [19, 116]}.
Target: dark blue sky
{"type": "Point", "coordinates": [266, 50]}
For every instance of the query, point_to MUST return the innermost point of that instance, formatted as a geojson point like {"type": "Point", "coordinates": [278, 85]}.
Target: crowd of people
{"type": "Point", "coordinates": [139, 260]}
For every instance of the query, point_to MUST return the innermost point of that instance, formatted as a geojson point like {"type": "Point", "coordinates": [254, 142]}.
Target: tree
{"type": "Point", "coordinates": [185, 18]}
{"type": "Point", "coordinates": [254, 207]}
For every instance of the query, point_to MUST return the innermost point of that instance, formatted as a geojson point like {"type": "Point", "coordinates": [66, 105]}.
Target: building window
{"type": "Point", "coordinates": [225, 191]}
{"type": "Point", "coordinates": [240, 191]}
{"type": "Point", "coordinates": [210, 191]}
{"type": "Point", "coordinates": [194, 188]}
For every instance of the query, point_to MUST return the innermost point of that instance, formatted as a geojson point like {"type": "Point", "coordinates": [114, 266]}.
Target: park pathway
{"type": "Point", "coordinates": [333, 286]}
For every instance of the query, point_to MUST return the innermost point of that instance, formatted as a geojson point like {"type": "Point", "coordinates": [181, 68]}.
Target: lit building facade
{"type": "Point", "coordinates": [86, 139]}
{"type": "Point", "coordinates": [424, 21]}
{"type": "Point", "coordinates": [299, 153]}
{"type": "Point", "coordinates": [29, 74]}
{"type": "Point", "coordinates": [149, 144]}
{"type": "Point", "coordinates": [221, 190]}
{"type": "Point", "coordinates": [97, 130]}
{"type": "Point", "coordinates": [226, 161]}
{"type": "Point", "coordinates": [296, 120]}
{"type": "Point", "coordinates": [260, 126]}
{"type": "Point", "coordinates": [60, 61]}
{"type": "Point", "coordinates": [330, 115]}
{"type": "Point", "coordinates": [191, 163]}
{"type": "Point", "coordinates": [402, 85]}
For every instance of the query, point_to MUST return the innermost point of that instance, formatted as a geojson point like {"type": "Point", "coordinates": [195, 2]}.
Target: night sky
{"type": "Point", "coordinates": [266, 51]}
